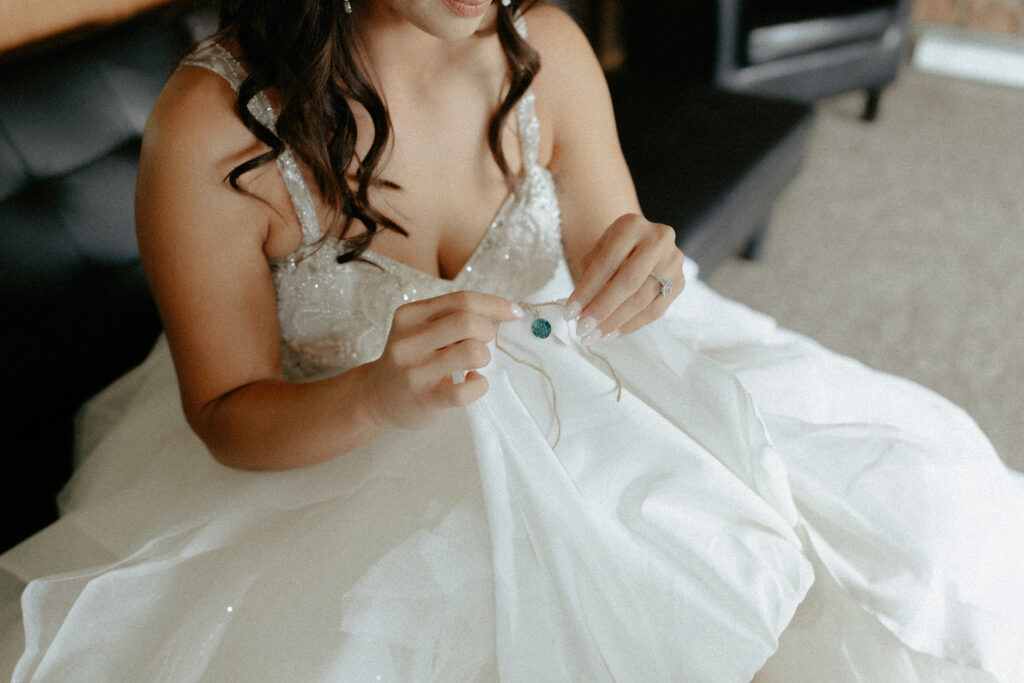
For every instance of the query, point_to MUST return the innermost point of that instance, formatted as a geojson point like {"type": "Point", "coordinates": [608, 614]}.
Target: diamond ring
{"type": "Point", "coordinates": [666, 284]}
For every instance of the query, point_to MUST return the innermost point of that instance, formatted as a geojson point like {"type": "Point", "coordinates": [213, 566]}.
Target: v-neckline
{"type": "Point", "coordinates": [467, 267]}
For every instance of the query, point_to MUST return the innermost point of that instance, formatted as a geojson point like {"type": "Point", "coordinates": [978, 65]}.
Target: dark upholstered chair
{"type": "Point", "coordinates": [77, 312]}
{"type": "Point", "coordinates": [807, 49]}
{"type": "Point", "coordinates": [711, 163]}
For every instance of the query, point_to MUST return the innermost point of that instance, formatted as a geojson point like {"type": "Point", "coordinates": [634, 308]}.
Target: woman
{"type": "Point", "coordinates": [426, 293]}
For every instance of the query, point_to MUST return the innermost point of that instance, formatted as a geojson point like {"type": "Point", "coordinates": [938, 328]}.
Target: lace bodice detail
{"type": "Point", "coordinates": [336, 316]}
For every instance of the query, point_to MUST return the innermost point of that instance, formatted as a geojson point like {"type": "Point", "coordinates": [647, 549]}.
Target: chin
{"type": "Point", "coordinates": [468, 9]}
{"type": "Point", "coordinates": [458, 27]}
{"type": "Point", "coordinates": [450, 20]}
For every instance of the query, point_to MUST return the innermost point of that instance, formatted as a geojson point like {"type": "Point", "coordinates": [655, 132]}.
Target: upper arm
{"type": "Point", "coordinates": [594, 184]}
{"type": "Point", "coordinates": [201, 242]}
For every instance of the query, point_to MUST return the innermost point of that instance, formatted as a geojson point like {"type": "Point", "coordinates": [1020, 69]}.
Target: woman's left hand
{"type": "Point", "coordinates": [616, 292]}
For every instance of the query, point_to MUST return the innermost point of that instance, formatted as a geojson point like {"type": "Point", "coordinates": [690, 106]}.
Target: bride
{"type": "Point", "coordinates": [432, 405]}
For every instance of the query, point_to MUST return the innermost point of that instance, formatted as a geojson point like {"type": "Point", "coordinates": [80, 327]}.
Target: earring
{"type": "Point", "coordinates": [506, 3]}
{"type": "Point", "coordinates": [348, 7]}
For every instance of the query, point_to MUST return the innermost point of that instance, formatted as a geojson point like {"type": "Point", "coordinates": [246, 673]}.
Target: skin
{"type": "Point", "coordinates": [205, 247]}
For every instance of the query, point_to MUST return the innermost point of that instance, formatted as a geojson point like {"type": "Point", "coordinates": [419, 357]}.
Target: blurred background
{"type": "Point", "coordinates": [851, 167]}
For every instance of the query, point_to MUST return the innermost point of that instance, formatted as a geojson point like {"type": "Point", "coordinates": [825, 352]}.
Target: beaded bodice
{"type": "Point", "coordinates": [336, 316]}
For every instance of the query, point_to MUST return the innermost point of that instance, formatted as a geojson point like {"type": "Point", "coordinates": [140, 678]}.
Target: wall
{"type": "Point", "coordinates": [992, 16]}
{"type": "Point", "coordinates": [27, 21]}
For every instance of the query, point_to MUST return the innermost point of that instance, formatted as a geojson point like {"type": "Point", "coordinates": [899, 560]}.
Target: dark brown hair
{"type": "Point", "coordinates": [305, 50]}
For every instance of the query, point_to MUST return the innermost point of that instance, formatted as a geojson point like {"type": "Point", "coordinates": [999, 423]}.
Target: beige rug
{"type": "Point", "coordinates": [901, 244]}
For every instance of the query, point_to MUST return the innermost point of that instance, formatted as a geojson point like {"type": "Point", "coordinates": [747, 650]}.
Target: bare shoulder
{"type": "Point", "coordinates": [193, 140]}
{"type": "Point", "coordinates": [194, 121]}
{"type": "Point", "coordinates": [570, 81]}
{"type": "Point", "coordinates": [566, 54]}
{"type": "Point", "coordinates": [557, 37]}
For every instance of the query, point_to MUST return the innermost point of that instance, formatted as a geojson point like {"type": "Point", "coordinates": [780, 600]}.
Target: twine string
{"type": "Point", "coordinates": [533, 310]}
{"type": "Point", "coordinates": [615, 376]}
{"type": "Point", "coordinates": [551, 383]}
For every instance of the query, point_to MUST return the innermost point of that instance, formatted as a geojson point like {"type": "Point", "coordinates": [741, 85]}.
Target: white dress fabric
{"type": "Point", "coordinates": [753, 505]}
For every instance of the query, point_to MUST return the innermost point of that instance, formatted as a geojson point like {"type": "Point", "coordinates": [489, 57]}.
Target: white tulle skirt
{"type": "Point", "coordinates": [754, 505]}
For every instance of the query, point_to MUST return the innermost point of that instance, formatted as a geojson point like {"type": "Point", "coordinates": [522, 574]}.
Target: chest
{"type": "Point", "coordinates": [450, 188]}
{"type": "Point", "coordinates": [449, 196]}
{"type": "Point", "coordinates": [443, 159]}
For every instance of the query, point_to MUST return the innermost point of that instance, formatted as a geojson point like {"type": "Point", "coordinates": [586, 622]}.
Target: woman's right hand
{"type": "Point", "coordinates": [411, 384]}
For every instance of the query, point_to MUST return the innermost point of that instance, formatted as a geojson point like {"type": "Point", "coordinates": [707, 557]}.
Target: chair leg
{"type": "Point", "coordinates": [755, 247]}
{"type": "Point", "coordinates": [871, 104]}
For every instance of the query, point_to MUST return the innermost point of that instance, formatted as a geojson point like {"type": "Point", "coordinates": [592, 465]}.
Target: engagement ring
{"type": "Point", "coordinates": [666, 284]}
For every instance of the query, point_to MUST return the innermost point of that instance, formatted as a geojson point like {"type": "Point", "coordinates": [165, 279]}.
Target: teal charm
{"type": "Point", "coordinates": [541, 328]}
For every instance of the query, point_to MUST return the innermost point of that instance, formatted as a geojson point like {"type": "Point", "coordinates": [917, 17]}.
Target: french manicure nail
{"type": "Point", "coordinates": [586, 326]}
{"type": "Point", "coordinates": [613, 334]}
{"type": "Point", "coordinates": [591, 337]}
{"type": "Point", "coordinates": [572, 310]}
{"type": "Point", "coordinates": [517, 311]}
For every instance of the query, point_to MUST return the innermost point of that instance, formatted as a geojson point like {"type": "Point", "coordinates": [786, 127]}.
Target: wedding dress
{"type": "Point", "coordinates": [750, 503]}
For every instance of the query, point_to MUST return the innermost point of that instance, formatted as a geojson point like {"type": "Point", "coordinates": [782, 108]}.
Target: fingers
{"type": "Point", "coordinates": [422, 328]}
{"type": "Point", "coordinates": [415, 344]}
{"type": "Point", "coordinates": [430, 341]}
{"type": "Point", "coordinates": [461, 395]}
{"type": "Point", "coordinates": [647, 304]}
{"type": "Point", "coordinates": [617, 245]}
{"type": "Point", "coordinates": [468, 355]}
{"type": "Point", "coordinates": [433, 380]}
{"type": "Point", "coordinates": [616, 293]}
{"type": "Point", "coordinates": [486, 306]}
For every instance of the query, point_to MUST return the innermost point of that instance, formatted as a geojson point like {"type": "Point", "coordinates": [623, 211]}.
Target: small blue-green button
{"type": "Point", "coordinates": [541, 328]}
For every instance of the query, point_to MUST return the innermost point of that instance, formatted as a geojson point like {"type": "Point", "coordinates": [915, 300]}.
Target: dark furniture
{"type": "Point", "coordinates": [77, 312]}
{"type": "Point", "coordinates": [713, 101]}
{"type": "Point", "coordinates": [709, 162]}
{"type": "Point", "coordinates": [806, 49]}
{"type": "Point", "coordinates": [76, 309]}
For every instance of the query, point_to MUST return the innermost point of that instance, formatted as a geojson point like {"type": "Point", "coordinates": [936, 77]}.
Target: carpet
{"type": "Point", "coordinates": [901, 244]}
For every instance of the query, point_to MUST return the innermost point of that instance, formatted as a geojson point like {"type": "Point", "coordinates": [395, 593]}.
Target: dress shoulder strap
{"type": "Point", "coordinates": [526, 118]}
{"type": "Point", "coordinates": [213, 56]}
